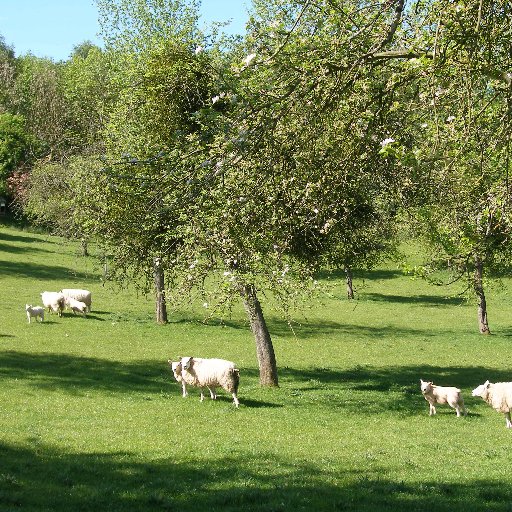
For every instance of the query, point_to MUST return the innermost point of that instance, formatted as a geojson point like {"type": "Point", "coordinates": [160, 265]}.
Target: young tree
{"type": "Point", "coordinates": [464, 141]}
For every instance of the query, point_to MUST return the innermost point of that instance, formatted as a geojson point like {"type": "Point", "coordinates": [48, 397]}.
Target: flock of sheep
{"type": "Point", "coordinates": [79, 301]}
{"type": "Point", "coordinates": [498, 396]}
{"type": "Point", "coordinates": [214, 373]}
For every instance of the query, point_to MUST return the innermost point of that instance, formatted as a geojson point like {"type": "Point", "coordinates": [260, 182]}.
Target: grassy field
{"type": "Point", "coordinates": [91, 419]}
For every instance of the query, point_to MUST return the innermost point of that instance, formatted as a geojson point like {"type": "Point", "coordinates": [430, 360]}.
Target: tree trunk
{"type": "Point", "coordinates": [350, 288]}
{"type": "Point", "coordinates": [161, 309]}
{"type": "Point", "coordinates": [84, 246]}
{"type": "Point", "coordinates": [478, 286]}
{"type": "Point", "coordinates": [264, 347]}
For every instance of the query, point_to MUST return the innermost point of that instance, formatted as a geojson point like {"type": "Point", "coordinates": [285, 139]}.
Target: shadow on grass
{"type": "Point", "coordinates": [38, 271]}
{"type": "Point", "coordinates": [63, 371]}
{"type": "Point", "coordinates": [420, 300]}
{"type": "Point", "coordinates": [22, 238]}
{"type": "Point", "coordinates": [38, 477]}
{"type": "Point", "coordinates": [15, 249]}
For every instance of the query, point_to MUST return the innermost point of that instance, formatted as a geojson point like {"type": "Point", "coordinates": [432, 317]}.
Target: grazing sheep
{"type": "Point", "coordinates": [76, 306]}
{"type": "Point", "coordinates": [84, 296]}
{"type": "Point", "coordinates": [211, 373]}
{"type": "Point", "coordinates": [54, 301]}
{"type": "Point", "coordinates": [442, 395]}
{"type": "Point", "coordinates": [498, 396]}
{"type": "Point", "coordinates": [176, 370]}
{"type": "Point", "coordinates": [34, 311]}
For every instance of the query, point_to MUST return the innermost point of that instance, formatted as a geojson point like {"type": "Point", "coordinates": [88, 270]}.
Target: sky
{"type": "Point", "coordinates": [51, 28]}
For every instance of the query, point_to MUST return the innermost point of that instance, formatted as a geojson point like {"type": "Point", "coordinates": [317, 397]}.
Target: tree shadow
{"type": "Point", "coordinates": [22, 238]}
{"type": "Point", "coordinates": [39, 272]}
{"type": "Point", "coordinates": [15, 249]}
{"type": "Point", "coordinates": [40, 477]}
{"type": "Point", "coordinates": [433, 300]}
{"type": "Point", "coordinates": [67, 372]}
{"type": "Point", "coordinates": [377, 274]}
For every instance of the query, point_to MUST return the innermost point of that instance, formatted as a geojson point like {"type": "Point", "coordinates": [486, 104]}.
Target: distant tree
{"type": "Point", "coordinates": [16, 148]}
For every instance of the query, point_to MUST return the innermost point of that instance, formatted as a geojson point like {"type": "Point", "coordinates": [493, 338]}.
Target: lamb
{"type": "Point", "coordinates": [211, 373]}
{"type": "Point", "coordinates": [442, 395]}
{"type": "Point", "coordinates": [498, 396]}
{"type": "Point", "coordinates": [76, 306]}
{"type": "Point", "coordinates": [54, 301]}
{"type": "Point", "coordinates": [34, 311]}
{"type": "Point", "coordinates": [84, 296]}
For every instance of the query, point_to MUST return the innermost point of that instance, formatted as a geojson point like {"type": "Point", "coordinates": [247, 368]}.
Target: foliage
{"type": "Point", "coordinates": [55, 196]}
{"type": "Point", "coordinates": [16, 147]}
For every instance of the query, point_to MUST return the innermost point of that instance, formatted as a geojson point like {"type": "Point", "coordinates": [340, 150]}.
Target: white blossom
{"type": "Point", "coordinates": [205, 304]}
{"type": "Point", "coordinates": [215, 99]}
{"type": "Point", "coordinates": [387, 141]}
{"type": "Point", "coordinates": [249, 58]}
{"type": "Point", "coordinates": [198, 50]}
{"type": "Point", "coordinates": [449, 119]}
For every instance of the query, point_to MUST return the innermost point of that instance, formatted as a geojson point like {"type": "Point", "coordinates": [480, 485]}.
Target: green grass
{"type": "Point", "coordinates": [90, 418]}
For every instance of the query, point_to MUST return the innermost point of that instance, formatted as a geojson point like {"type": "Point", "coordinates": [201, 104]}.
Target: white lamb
{"type": "Point", "coordinates": [211, 373]}
{"type": "Point", "coordinates": [498, 396]}
{"type": "Point", "coordinates": [442, 395]}
{"type": "Point", "coordinates": [53, 301]}
{"type": "Point", "coordinates": [34, 311]}
{"type": "Point", "coordinates": [84, 296]}
{"type": "Point", "coordinates": [76, 306]}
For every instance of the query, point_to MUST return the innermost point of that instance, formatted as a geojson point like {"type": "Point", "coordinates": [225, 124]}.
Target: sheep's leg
{"type": "Point", "coordinates": [507, 418]}
{"type": "Point", "coordinates": [184, 389]}
{"type": "Point", "coordinates": [213, 394]}
{"type": "Point", "coordinates": [202, 395]}
{"type": "Point", "coordinates": [235, 399]}
{"type": "Point", "coordinates": [432, 410]}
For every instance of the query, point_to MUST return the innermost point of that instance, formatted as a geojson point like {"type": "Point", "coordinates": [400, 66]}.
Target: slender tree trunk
{"type": "Point", "coordinates": [478, 286]}
{"type": "Point", "coordinates": [84, 246]}
{"type": "Point", "coordinates": [350, 288]}
{"type": "Point", "coordinates": [264, 347]}
{"type": "Point", "coordinates": [161, 308]}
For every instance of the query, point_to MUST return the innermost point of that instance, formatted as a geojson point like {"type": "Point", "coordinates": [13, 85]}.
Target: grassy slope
{"type": "Point", "coordinates": [91, 419]}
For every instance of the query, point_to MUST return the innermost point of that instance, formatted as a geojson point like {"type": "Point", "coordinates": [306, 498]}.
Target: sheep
{"type": "Point", "coordinates": [176, 370]}
{"type": "Point", "coordinates": [76, 306]}
{"type": "Point", "coordinates": [34, 311]}
{"type": "Point", "coordinates": [211, 373]}
{"type": "Point", "coordinates": [442, 395]}
{"type": "Point", "coordinates": [54, 301]}
{"type": "Point", "coordinates": [498, 396]}
{"type": "Point", "coordinates": [84, 296]}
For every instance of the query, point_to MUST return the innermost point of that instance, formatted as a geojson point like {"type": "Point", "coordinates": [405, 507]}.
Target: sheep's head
{"type": "Point", "coordinates": [176, 369]}
{"type": "Point", "coordinates": [426, 387]}
{"type": "Point", "coordinates": [28, 306]}
{"type": "Point", "coordinates": [481, 390]}
{"type": "Point", "coordinates": [186, 362]}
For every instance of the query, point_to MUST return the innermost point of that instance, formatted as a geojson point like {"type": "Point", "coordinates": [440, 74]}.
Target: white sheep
{"type": "Point", "coordinates": [498, 396]}
{"type": "Point", "coordinates": [34, 311]}
{"type": "Point", "coordinates": [211, 373]}
{"type": "Point", "coordinates": [84, 296]}
{"type": "Point", "coordinates": [176, 370]}
{"type": "Point", "coordinates": [76, 306]}
{"type": "Point", "coordinates": [442, 395]}
{"type": "Point", "coordinates": [54, 301]}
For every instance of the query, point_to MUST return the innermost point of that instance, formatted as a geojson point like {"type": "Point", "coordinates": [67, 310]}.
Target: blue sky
{"type": "Point", "coordinates": [51, 28]}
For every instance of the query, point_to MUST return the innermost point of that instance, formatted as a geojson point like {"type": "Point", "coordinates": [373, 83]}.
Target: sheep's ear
{"type": "Point", "coordinates": [486, 383]}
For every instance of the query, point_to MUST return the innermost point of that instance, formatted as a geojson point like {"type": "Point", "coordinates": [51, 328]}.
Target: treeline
{"type": "Point", "coordinates": [251, 163]}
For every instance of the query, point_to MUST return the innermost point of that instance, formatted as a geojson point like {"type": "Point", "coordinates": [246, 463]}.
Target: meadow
{"type": "Point", "coordinates": [91, 418]}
